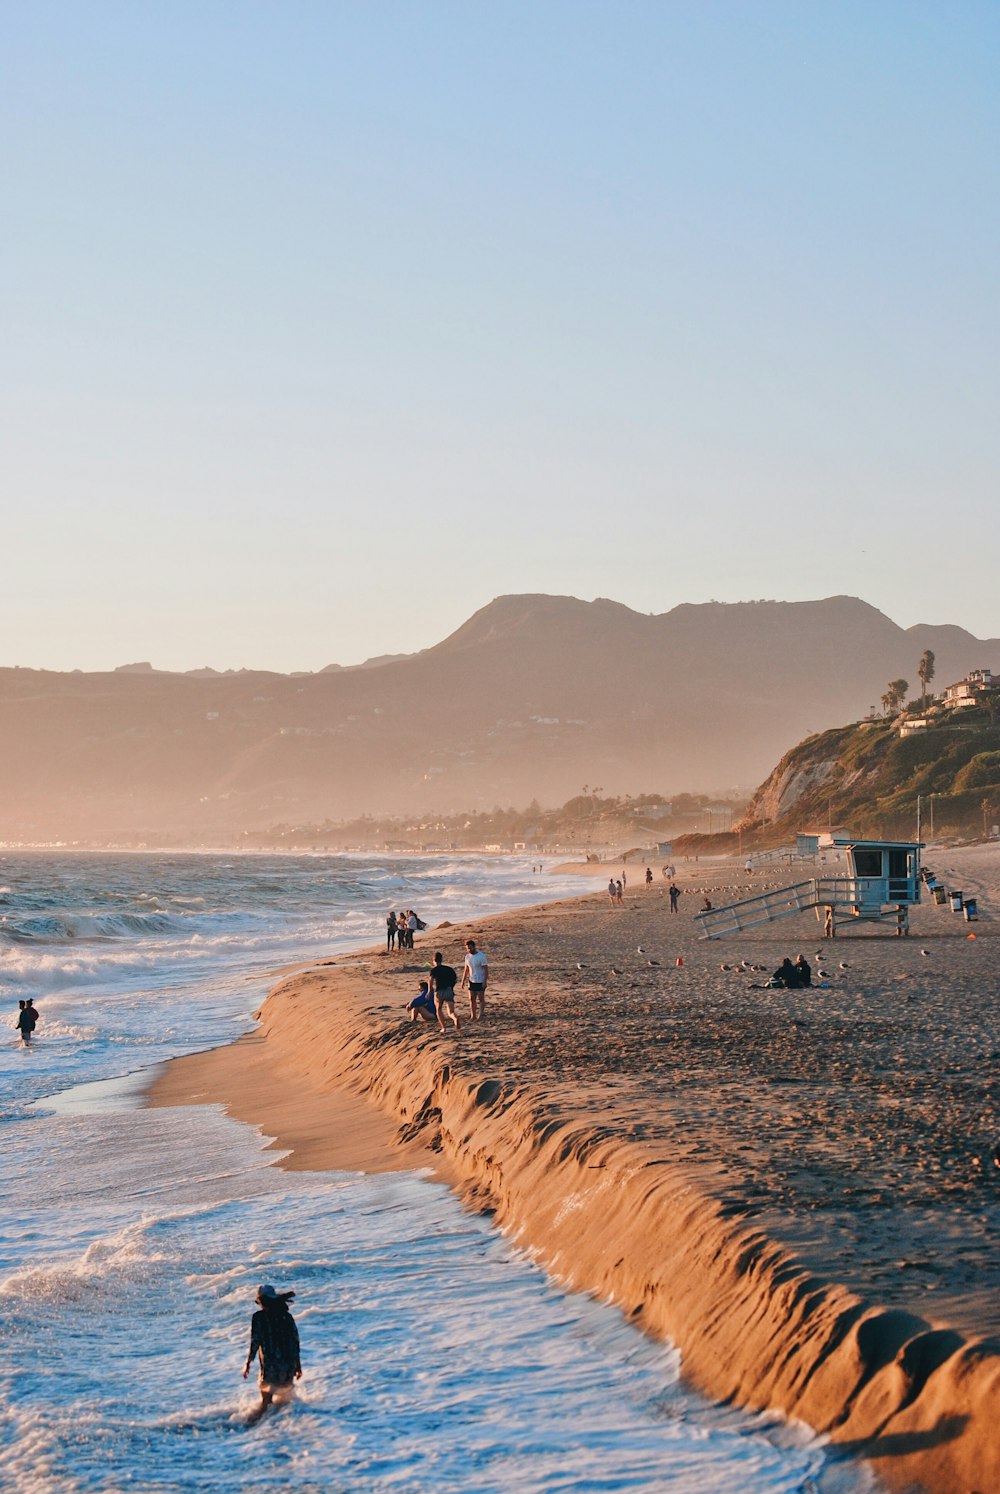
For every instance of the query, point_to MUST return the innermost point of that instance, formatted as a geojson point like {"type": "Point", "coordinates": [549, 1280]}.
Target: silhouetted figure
{"type": "Point", "coordinates": [274, 1338]}
{"type": "Point", "coordinates": [390, 931]}
{"type": "Point", "coordinates": [675, 893]}
{"type": "Point", "coordinates": [804, 968]}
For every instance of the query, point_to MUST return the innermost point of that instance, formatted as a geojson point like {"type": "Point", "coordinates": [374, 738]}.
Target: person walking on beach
{"type": "Point", "coordinates": [442, 985]}
{"type": "Point", "coordinates": [390, 931]}
{"type": "Point", "coordinates": [476, 972]}
{"type": "Point", "coordinates": [649, 876]}
{"type": "Point", "coordinates": [274, 1338]}
{"type": "Point", "coordinates": [675, 893]}
{"type": "Point", "coordinates": [619, 894]}
{"type": "Point", "coordinates": [612, 891]}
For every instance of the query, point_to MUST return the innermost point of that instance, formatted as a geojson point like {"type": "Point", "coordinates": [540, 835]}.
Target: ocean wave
{"type": "Point", "coordinates": [62, 928]}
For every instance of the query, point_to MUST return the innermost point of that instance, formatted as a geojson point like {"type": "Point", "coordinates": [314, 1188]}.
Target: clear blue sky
{"type": "Point", "coordinates": [325, 323]}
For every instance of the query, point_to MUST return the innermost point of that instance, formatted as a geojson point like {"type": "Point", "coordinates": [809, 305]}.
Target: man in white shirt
{"type": "Point", "coordinates": [476, 974]}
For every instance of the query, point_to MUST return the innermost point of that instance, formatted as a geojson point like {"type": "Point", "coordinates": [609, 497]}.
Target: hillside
{"type": "Point", "coordinates": [532, 698]}
{"type": "Point", "coordinates": [865, 778]}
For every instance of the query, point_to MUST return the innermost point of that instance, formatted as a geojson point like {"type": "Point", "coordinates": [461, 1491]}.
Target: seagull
{"type": "Point", "coordinates": [615, 970]}
{"type": "Point", "coordinates": [639, 949]}
{"type": "Point", "coordinates": [579, 966]}
{"type": "Point", "coordinates": [844, 965]}
{"type": "Point", "coordinates": [725, 967]}
{"type": "Point", "coordinates": [925, 951]}
{"type": "Point", "coordinates": [823, 974]}
{"type": "Point", "coordinates": [652, 962]}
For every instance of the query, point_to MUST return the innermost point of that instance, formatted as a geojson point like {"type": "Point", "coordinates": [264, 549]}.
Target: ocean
{"type": "Point", "coordinates": [436, 1355]}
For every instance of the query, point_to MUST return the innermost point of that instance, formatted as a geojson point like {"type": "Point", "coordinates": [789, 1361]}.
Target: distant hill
{"type": "Point", "coordinates": [532, 697]}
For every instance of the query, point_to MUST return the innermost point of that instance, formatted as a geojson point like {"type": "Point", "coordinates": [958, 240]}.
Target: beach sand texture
{"type": "Point", "coordinates": [797, 1188]}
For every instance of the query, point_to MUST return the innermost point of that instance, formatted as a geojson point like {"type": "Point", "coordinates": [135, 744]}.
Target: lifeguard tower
{"type": "Point", "coordinates": [882, 884]}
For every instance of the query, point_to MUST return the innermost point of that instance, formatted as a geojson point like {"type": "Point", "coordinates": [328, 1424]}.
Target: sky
{"type": "Point", "coordinates": [322, 323]}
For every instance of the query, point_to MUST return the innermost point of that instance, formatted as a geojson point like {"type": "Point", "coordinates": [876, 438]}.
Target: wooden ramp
{"type": "Point", "coordinates": [845, 895]}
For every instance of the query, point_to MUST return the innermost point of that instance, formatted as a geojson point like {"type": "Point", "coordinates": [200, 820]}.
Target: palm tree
{"type": "Point", "coordinates": [925, 669]}
{"type": "Point", "coordinates": [895, 696]}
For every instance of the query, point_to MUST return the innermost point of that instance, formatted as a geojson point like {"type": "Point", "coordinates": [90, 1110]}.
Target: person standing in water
{"type": "Point", "coordinates": [25, 1022]}
{"type": "Point", "coordinates": [274, 1338]}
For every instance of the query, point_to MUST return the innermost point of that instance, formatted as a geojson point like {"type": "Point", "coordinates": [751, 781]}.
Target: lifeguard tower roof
{"type": "Point", "coordinates": [878, 845]}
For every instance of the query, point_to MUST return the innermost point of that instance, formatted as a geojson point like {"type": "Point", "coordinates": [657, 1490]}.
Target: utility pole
{"type": "Point", "coordinates": [918, 816]}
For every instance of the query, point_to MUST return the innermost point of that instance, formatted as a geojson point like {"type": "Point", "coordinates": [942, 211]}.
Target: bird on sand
{"type": "Point", "coordinates": [652, 962]}
{"type": "Point", "coordinates": [639, 949]}
{"type": "Point", "coordinates": [844, 965]}
{"type": "Point", "coordinates": [579, 966]}
{"type": "Point", "coordinates": [823, 974]}
{"type": "Point", "coordinates": [615, 970]}
{"type": "Point", "coordinates": [925, 951]}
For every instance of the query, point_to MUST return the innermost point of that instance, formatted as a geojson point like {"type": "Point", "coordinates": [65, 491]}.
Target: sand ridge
{"type": "Point", "coordinates": [713, 1157]}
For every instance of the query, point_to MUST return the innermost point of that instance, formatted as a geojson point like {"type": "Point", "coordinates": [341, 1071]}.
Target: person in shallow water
{"type": "Point", "coordinates": [275, 1339]}
{"type": "Point", "coordinates": [26, 1019]}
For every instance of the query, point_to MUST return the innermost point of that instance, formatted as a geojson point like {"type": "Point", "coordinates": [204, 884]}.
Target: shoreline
{"type": "Point", "coordinates": [585, 1088]}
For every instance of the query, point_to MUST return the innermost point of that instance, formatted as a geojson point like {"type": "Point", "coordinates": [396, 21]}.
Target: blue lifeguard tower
{"type": "Point", "coordinates": [882, 884]}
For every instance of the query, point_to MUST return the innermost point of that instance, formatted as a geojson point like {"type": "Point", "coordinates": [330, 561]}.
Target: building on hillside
{"type": "Point", "coordinates": [913, 725]}
{"type": "Point", "coordinates": [968, 691]}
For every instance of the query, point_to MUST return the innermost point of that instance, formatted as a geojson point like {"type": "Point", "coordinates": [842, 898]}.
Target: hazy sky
{"type": "Point", "coordinates": [325, 323]}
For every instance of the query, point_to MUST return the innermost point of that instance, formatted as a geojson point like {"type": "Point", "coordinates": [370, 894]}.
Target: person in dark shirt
{"type": "Point", "coordinates": [804, 968]}
{"type": "Point", "coordinates": [443, 981]}
{"type": "Point", "coordinates": [274, 1338]}
{"type": "Point", "coordinates": [25, 1022]}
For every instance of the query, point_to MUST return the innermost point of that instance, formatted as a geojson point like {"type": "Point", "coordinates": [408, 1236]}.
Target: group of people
{"type": "Point", "coordinates": [401, 927]}
{"type": "Point", "coordinates": [27, 1017]}
{"type": "Point", "coordinates": [792, 976]}
{"type": "Point", "coordinates": [435, 998]}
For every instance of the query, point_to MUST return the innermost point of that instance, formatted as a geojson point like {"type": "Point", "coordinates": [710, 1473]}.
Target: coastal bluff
{"type": "Point", "coordinates": [580, 1116]}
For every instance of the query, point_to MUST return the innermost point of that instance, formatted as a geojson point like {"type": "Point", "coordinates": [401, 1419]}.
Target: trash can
{"type": "Point", "coordinates": [956, 902]}
{"type": "Point", "coordinates": [940, 894]}
{"type": "Point", "coordinates": [971, 909]}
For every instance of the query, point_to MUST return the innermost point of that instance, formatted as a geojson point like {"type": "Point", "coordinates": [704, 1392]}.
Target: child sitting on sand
{"type": "Point", "coordinates": [422, 1004]}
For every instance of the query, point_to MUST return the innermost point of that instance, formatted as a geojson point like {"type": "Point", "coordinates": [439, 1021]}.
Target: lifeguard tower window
{"type": "Point", "coordinates": [898, 864]}
{"type": "Point", "coordinates": [869, 863]}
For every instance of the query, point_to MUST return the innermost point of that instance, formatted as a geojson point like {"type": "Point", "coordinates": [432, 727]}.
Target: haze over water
{"type": "Point", "coordinates": [436, 1355]}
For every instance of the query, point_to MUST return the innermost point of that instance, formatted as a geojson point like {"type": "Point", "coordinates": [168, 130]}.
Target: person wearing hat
{"type": "Point", "coordinates": [275, 1339]}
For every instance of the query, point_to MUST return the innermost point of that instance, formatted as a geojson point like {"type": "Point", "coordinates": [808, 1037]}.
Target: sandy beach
{"type": "Point", "coordinates": [798, 1188]}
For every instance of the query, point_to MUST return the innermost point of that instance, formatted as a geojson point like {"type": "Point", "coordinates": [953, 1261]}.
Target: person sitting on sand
{"type": "Point", "coordinates": [706, 904]}
{"type": "Point", "coordinates": [422, 1008]}
{"type": "Point", "coordinates": [804, 968]}
{"type": "Point", "coordinates": [786, 975]}
{"type": "Point", "coordinates": [442, 983]}
{"type": "Point", "coordinates": [275, 1339]}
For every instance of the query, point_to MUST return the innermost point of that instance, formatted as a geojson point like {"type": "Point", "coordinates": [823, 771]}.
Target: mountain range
{"type": "Point", "coordinates": [533, 697]}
